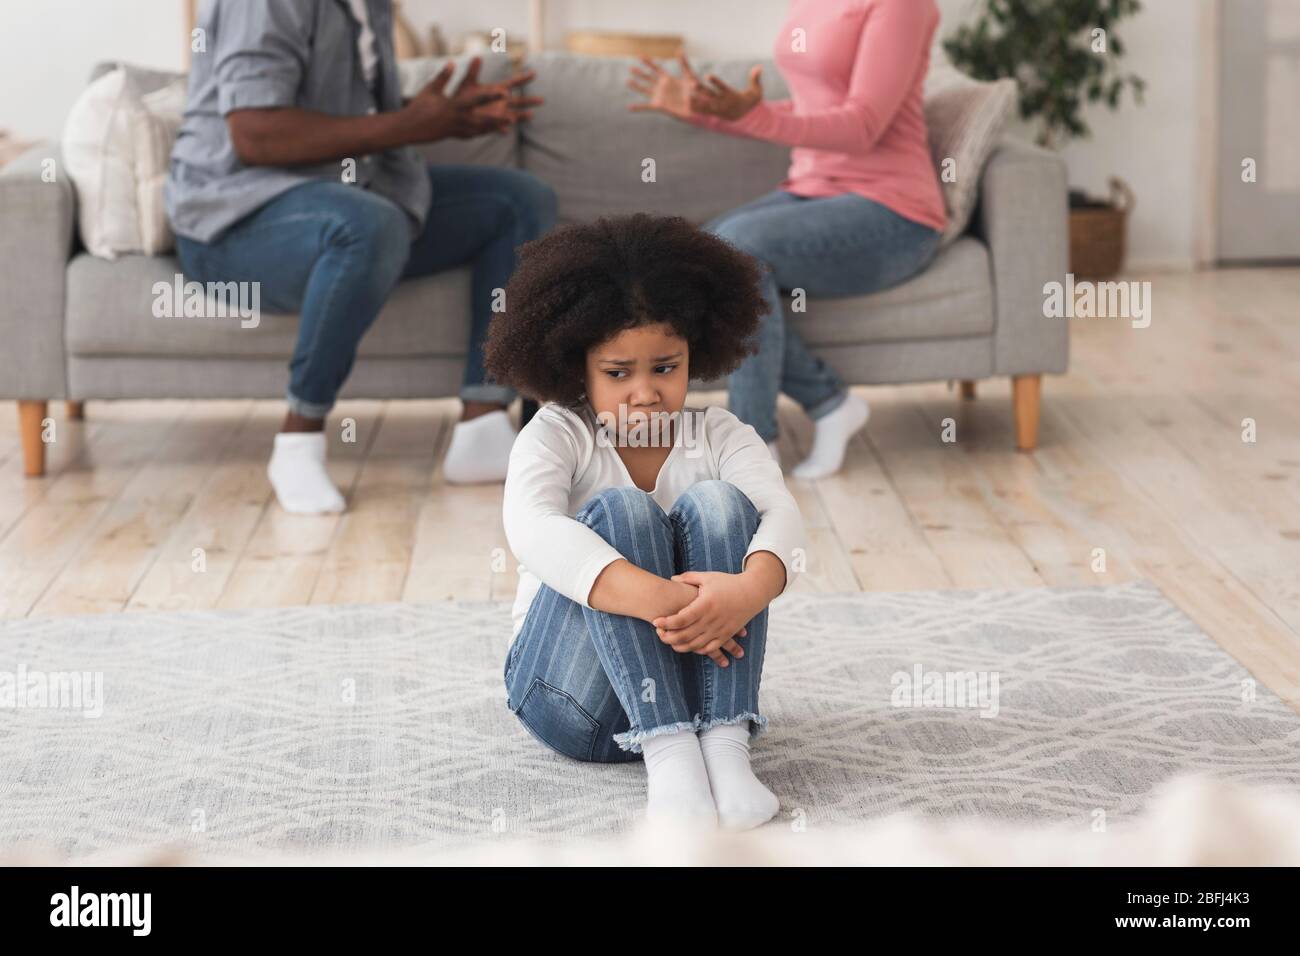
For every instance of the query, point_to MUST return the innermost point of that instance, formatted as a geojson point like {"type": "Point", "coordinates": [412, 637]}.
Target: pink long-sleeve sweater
{"type": "Point", "coordinates": [855, 69]}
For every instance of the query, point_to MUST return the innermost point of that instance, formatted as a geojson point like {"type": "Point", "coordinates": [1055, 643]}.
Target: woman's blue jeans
{"type": "Point", "coordinates": [593, 685]}
{"type": "Point", "coordinates": [830, 247]}
{"type": "Point", "coordinates": [333, 253]}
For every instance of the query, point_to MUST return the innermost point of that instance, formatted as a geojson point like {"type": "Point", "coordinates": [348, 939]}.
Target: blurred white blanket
{"type": "Point", "coordinates": [1190, 821]}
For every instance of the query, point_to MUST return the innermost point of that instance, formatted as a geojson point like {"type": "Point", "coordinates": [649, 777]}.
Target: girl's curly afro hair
{"type": "Point", "coordinates": [580, 285]}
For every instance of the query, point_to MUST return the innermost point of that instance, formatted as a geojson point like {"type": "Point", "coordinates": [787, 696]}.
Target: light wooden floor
{"type": "Point", "coordinates": [1141, 454]}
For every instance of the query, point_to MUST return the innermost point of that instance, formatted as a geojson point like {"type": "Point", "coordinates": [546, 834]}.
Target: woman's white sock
{"type": "Point", "coordinates": [742, 801]}
{"type": "Point", "coordinates": [678, 782]}
{"type": "Point", "coordinates": [298, 475]}
{"type": "Point", "coordinates": [480, 449]}
{"type": "Point", "coordinates": [831, 438]}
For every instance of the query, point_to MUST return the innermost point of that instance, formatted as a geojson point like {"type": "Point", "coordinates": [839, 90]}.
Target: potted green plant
{"type": "Point", "coordinates": [1062, 54]}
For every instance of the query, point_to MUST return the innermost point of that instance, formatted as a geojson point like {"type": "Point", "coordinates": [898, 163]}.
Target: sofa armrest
{"type": "Point", "coordinates": [37, 224]}
{"type": "Point", "coordinates": [1023, 218]}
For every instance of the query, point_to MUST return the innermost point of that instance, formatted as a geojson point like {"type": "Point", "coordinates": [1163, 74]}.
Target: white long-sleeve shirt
{"type": "Point", "coordinates": [557, 465]}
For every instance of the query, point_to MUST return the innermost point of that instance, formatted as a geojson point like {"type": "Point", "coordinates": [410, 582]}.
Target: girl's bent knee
{"type": "Point", "coordinates": [718, 496]}
{"type": "Point", "coordinates": [716, 509]}
{"type": "Point", "coordinates": [633, 503]}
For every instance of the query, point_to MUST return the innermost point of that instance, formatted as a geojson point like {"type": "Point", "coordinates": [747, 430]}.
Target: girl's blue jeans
{"type": "Point", "coordinates": [333, 253]}
{"type": "Point", "coordinates": [593, 685]}
{"type": "Point", "coordinates": [830, 247]}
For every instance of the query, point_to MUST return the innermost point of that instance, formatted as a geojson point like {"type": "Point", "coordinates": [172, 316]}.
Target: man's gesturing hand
{"type": "Point", "coordinates": [509, 107]}
{"type": "Point", "coordinates": [430, 115]}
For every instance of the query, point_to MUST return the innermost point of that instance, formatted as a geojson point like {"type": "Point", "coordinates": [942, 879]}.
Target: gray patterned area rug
{"type": "Point", "coordinates": [360, 726]}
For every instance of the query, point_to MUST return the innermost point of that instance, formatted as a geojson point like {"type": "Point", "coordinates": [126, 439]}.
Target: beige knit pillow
{"type": "Point", "coordinates": [964, 120]}
{"type": "Point", "coordinates": [117, 144]}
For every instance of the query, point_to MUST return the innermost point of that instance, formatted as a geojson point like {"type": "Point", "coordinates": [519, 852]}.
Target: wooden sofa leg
{"type": "Point", "coordinates": [30, 415]}
{"type": "Point", "coordinates": [967, 389]}
{"type": "Point", "coordinates": [76, 411]}
{"type": "Point", "coordinates": [1025, 393]}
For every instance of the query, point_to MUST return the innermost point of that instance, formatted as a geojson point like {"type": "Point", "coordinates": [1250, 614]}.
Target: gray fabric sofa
{"type": "Point", "coordinates": [77, 327]}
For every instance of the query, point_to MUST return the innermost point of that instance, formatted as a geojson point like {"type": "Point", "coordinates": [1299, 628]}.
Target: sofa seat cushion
{"type": "Point", "coordinates": [953, 298]}
{"type": "Point", "coordinates": [111, 312]}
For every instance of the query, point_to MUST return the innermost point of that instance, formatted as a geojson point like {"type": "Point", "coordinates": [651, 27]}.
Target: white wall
{"type": "Point", "coordinates": [47, 47]}
{"type": "Point", "coordinates": [1152, 147]}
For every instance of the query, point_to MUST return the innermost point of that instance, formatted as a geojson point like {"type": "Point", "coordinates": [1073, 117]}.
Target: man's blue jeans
{"type": "Point", "coordinates": [333, 253]}
{"type": "Point", "coordinates": [593, 685]}
{"type": "Point", "coordinates": [830, 247]}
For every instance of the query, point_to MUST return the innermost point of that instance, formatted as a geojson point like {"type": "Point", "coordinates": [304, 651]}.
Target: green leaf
{"type": "Point", "coordinates": [1046, 46]}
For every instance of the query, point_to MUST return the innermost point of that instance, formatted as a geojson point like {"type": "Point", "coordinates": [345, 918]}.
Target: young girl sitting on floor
{"type": "Point", "coordinates": [653, 535]}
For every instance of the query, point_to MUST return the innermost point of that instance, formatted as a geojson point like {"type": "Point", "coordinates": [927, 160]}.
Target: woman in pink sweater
{"type": "Point", "coordinates": [860, 209]}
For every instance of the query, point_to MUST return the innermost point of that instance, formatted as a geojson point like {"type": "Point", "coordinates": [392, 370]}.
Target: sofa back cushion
{"type": "Point", "coordinates": [587, 145]}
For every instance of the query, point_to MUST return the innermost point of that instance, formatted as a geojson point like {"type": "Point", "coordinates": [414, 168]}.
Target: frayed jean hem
{"type": "Point", "coordinates": [758, 724]}
{"type": "Point", "coordinates": [307, 409]}
{"type": "Point", "coordinates": [822, 409]}
{"type": "Point", "coordinates": [632, 740]}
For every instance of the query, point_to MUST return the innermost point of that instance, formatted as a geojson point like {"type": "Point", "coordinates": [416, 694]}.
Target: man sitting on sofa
{"type": "Point", "coordinates": [294, 168]}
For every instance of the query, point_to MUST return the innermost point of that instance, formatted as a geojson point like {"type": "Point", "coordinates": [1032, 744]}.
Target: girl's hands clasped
{"type": "Point", "coordinates": [711, 623]}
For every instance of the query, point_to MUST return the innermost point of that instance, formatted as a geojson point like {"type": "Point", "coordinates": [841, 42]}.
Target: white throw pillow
{"type": "Point", "coordinates": [117, 145]}
{"type": "Point", "coordinates": [964, 120]}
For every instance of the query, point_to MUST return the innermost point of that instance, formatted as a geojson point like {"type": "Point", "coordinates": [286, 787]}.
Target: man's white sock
{"type": "Point", "coordinates": [480, 449]}
{"type": "Point", "coordinates": [677, 780]}
{"type": "Point", "coordinates": [831, 438]}
{"type": "Point", "coordinates": [742, 801]}
{"type": "Point", "coordinates": [298, 475]}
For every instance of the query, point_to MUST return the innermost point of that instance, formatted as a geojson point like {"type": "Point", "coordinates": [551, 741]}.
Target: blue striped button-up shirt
{"type": "Point", "coordinates": [282, 53]}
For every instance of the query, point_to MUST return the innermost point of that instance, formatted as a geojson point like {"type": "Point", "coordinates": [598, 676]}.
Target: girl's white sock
{"type": "Point", "coordinates": [831, 438]}
{"type": "Point", "coordinates": [742, 801]}
{"type": "Point", "coordinates": [480, 449]}
{"type": "Point", "coordinates": [298, 475]}
{"type": "Point", "coordinates": [678, 783]}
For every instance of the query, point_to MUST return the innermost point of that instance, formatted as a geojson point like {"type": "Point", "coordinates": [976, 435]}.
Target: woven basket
{"type": "Point", "coordinates": [655, 46]}
{"type": "Point", "coordinates": [1097, 234]}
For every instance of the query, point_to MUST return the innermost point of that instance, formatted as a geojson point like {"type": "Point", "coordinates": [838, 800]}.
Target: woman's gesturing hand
{"type": "Point", "coordinates": [711, 623]}
{"type": "Point", "coordinates": [664, 92]}
{"type": "Point", "coordinates": [715, 98]}
{"type": "Point", "coordinates": [682, 96]}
